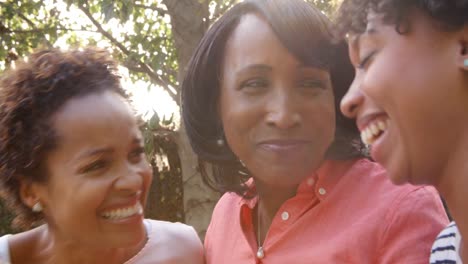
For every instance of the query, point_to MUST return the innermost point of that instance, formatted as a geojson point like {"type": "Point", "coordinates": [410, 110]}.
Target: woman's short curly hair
{"type": "Point", "coordinates": [30, 94]}
{"type": "Point", "coordinates": [308, 35]}
{"type": "Point", "coordinates": [351, 17]}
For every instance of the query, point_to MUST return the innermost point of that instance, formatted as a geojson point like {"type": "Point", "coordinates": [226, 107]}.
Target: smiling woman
{"type": "Point", "coordinates": [411, 61]}
{"type": "Point", "coordinates": [72, 162]}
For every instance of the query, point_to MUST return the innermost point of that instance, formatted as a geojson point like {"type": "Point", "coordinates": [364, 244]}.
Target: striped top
{"type": "Point", "coordinates": [446, 246]}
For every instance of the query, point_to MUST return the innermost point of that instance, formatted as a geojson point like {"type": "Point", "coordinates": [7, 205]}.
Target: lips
{"type": "Point", "coordinates": [123, 212]}
{"type": "Point", "coordinates": [282, 144]}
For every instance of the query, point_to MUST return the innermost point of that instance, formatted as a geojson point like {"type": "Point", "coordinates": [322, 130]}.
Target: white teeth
{"type": "Point", "coordinates": [123, 212]}
{"type": "Point", "coordinates": [382, 125]}
{"type": "Point", "coordinates": [373, 131]}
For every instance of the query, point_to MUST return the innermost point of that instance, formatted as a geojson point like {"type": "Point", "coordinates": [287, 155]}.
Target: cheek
{"type": "Point", "coordinates": [147, 172]}
{"type": "Point", "coordinates": [76, 203]}
{"type": "Point", "coordinates": [236, 134]}
{"type": "Point", "coordinates": [381, 83]}
{"type": "Point", "coordinates": [239, 119]}
{"type": "Point", "coordinates": [322, 116]}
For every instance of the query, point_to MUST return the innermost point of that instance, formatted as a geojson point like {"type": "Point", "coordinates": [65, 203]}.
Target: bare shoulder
{"type": "Point", "coordinates": [24, 247]}
{"type": "Point", "coordinates": [169, 235]}
{"type": "Point", "coordinates": [177, 231]}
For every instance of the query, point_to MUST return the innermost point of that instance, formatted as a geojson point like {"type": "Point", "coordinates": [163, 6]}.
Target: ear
{"type": "Point", "coordinates": [463, 49]}
{"type": "Point", "coordinates": [30, 192]}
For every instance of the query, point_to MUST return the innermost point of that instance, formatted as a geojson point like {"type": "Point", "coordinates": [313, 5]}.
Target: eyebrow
{"type": "Point", "coordinates": [94, 152]}
{"type": "Point", "coordinates": [104, 150]}
{"type": "Point", "coordinates": [258, 67]}
{"type": "Point", "coordinates": [267, 68]}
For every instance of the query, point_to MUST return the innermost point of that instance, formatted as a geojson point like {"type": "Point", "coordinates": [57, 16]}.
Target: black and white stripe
{"type": "Point", "coordinates": [446, 246]}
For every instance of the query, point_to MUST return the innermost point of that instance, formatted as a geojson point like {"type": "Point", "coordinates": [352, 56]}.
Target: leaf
{"type": "Point", "coordinates": [107, 8]}
{"type": "Point", "coordinates": [168, 122]}
{"type": "Point", "coordinates": [126, 10]}
{"type": "Point", "coordinates": [154, 122]}
{"type": "Point", "coordinates": [149, 143]}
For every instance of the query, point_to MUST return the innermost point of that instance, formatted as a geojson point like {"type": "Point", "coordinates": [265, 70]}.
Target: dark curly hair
{"type": "Point", "coordinates": [30, 94]}
{"type": "Point", "coordinates": [351, 17]}
{"type": "Point", "coordinates": [307, 34]}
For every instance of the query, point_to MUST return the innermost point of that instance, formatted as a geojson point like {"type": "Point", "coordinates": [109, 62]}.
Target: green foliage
{"type": "Point", "coordinates": [24, 25]}
{"type": "Point", "coordinates": [165, 200]}
{"type": "Point", "coordinates": [137, 32]}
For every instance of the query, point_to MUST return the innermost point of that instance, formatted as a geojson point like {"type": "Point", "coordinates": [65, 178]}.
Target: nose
{"type": "Point", "coordinates": [283, 111]}
{"type": "Point", "coordinates": [130, 179]}
{"type": "Point", "coordinates": [352, 100]}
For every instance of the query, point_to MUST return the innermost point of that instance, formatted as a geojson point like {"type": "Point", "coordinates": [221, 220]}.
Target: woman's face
{"type": "Point", "coordinates": [278, 114]}
{"type": "Point", "coordinates": [98, 177]}
{"type": "Point", "coordinates": [409, 97]}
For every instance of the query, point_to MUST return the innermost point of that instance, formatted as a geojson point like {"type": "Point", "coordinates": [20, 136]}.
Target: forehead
{"type": "Point", "coordinates": [95, 117]}
{"type": "Point", "coordinates": [252, 29]}
{"type": "Point", "coordinates": [252, 24]}
{"type": "Point", "coordinates": [254, 41]}
{"type": "Point", "coordinates": [374, 26]}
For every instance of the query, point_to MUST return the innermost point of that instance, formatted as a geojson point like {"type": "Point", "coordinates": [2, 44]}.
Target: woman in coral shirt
{"type": "Point", "coordinates": [260, 105]}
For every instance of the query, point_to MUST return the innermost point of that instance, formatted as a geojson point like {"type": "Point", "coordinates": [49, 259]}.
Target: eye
{"type": "Point", "coordinates": [365, 61]}
{"type": "Point", "coordinates": [94, 166]}
{"type": "Point", "coordinates": [313, 83]}
{"type": "Point", "coordinates": [254, 83]}
{"type": "Point", "coordinates": [137, 154]}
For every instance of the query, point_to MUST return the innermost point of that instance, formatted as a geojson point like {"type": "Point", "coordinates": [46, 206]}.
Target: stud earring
{"type": "Point", "coordinates": [465, 63]}
{"type": "Point", "coordinates": [220, 142]}
{"type": "Point", "coordinates": [37, 207]}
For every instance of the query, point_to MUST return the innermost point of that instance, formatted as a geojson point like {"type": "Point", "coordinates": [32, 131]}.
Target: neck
{"type": "Point", "coordinates": [270, 199]}
{"type": "Point", "coordinates": [453, 186]}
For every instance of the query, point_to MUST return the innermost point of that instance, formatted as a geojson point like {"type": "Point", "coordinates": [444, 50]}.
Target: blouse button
{"type": "Point", "coordinates": [322, 191]}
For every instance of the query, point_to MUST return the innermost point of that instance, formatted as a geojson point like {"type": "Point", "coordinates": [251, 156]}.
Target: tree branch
{"type": "Point", "coordinates": [144, 68]}
{"type": "Point", "coordinates": [31, 24]}
{"type": "Point", "coordinates": [41, 30]}
{"type": "Point", "coordinates": [169, 71]}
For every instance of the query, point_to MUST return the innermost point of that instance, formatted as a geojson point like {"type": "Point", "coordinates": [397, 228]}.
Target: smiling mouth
{"type": "Point", "coordinates": [373, 131]}
{"type": "Point", "coordinates": [282, 146]}
{"type": "Point", "coordinates": [121, 213]}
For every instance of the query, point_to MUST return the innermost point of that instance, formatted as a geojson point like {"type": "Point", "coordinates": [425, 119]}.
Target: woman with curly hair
{"type": "Point", "coordinates": [72, 163]}
{"type": "Point", "coordinates": [410, 98]}
{"type": "Point", "coordinates": [260, 104]}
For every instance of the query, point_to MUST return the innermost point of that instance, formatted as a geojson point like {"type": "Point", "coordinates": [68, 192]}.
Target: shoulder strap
{"type": "Point", "coordinates": [4, 250]}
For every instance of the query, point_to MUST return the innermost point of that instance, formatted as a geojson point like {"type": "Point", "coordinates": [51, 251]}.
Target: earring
{"type": "Point", "coordinates": [220, 142]}
{"type": "Point", "coordinates": [37, 207]}
{"type": "Point", "coordinates": [465, 63]}
{"type": "Point", "coordinates": [242, 163]}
